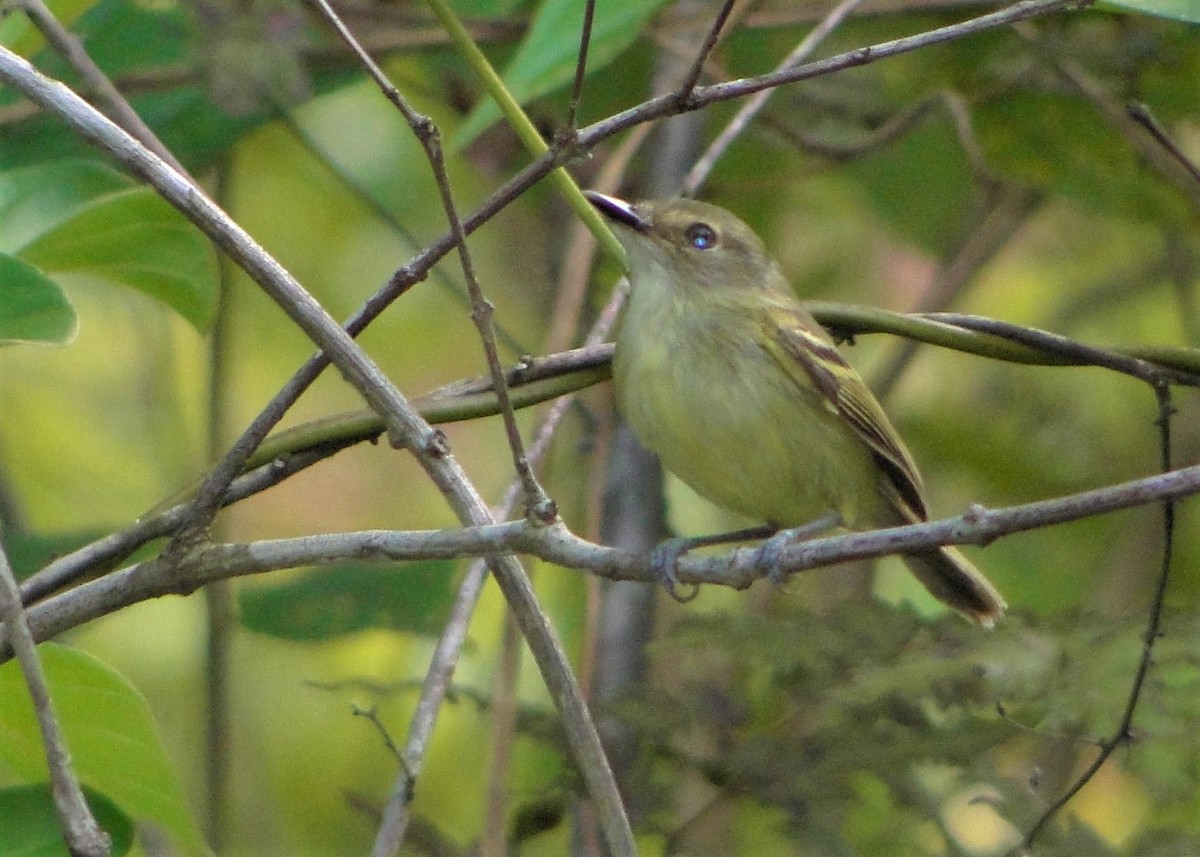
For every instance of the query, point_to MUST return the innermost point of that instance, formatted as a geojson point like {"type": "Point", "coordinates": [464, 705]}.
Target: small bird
{"type": "Point", "coordinates": [721, 371]}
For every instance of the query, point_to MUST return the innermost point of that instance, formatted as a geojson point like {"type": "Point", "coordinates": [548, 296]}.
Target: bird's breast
{"type": "Point", "coordinates": [722, 416]}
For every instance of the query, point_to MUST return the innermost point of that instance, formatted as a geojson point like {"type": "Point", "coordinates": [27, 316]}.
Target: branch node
{"type": "Point", "coordinates": [566, 140]}
{"type": "Point", "coordinates": [435, 443]}
{"type": "Point", "coordinates": [976, 525]}
{"type": "Point", "coordinates": [687, 100]}
{"type": "Point", "coordinates": [543, 512]}
{"type": "Point", "coordinates": [425, 128]}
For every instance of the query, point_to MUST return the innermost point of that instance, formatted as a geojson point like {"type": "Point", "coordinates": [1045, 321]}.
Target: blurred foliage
{"type": "Point", "coordinates": [821, 722]}
{"type": "Point", "coordinates": [819, 717]}
{"type": "Point", "coordinates": [30, 826]}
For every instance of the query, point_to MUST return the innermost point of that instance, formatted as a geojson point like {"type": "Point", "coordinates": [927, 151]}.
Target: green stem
{"type": "Point", "coordinates": [524, 128]}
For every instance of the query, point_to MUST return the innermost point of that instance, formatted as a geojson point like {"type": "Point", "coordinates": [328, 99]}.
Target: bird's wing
{"type": "Point", "coordinates": [803, 344]}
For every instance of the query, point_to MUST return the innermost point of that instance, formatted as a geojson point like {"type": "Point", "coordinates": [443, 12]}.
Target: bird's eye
{"type": "Point", "coordinates": [700, 236]}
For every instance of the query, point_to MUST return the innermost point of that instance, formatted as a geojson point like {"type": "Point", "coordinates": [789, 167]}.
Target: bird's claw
{"type": "Point", "coordinates": [663, 561]}
{"type": "Point", "coordinates": [770, 555]}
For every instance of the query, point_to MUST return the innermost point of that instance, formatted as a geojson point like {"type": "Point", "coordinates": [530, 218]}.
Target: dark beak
{"type": "Point", "coordinates": [617, 210]}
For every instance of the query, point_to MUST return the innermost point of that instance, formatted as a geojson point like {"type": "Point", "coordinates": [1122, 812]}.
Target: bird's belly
{"type": "Point", "coordinates": [741, 434]}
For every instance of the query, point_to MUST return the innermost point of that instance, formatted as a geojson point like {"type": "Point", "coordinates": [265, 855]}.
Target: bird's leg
{"type": "Point", "coordinates": [770, 552]}
{"type": "Point", "coordinates": [665, 557]}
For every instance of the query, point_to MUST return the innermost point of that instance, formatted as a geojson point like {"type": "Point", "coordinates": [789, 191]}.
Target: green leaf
{"type": "Point", "coordinates": [79, 217]}
{"type": "Point", "coordinates": [36, 200]}
{"type": "Point", "coordinates": [545, 60]}
{"type": "Point", "coordinates": [109, 732]}
{"type": "Point", "coordinates": [343, 599]}
{"type": "Point", "coordinates": [32, 306]}
{"type": "Point", "coordinates": [1180, 10]}
{"type": "Point", "coordinates": [31, 827]}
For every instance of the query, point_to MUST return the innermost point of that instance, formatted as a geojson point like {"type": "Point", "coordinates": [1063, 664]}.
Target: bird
{"type": "Point", "coordinates": [721, 371]}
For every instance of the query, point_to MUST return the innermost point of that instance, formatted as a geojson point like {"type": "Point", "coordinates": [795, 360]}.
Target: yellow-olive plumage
{"type": "Point", "coordinates": [722, 372]}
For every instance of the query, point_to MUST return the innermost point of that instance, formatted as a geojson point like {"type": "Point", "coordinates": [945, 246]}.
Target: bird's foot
{"type": "Point", "coordinates": [663, 561]}
{"type": "Point", "coordinates": [769, 554]}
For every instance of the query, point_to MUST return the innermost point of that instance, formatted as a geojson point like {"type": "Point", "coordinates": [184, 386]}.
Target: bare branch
{"type": "Point", "coordinates": [83, 835]}
{"type": "Point", "coordinates": [737, 569]}
{"type": "Point", "coordinates": [1113, 112]}
{"type": "Point", "coordinates": [702, 96]}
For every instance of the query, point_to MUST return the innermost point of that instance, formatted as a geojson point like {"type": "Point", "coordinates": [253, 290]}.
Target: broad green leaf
{"type": "Point", "coordinates": [545, 60]}
{"type": "Point", "coordinates": [35, 201]}
{"type": "Point", "coordinates": [1180, 10]}
{"type": "Point", "coordinates": [331, 602]}
{"type": "Point", "coordinates": [31, 828]}
{"type": "Point", "coordinates": [79, 217]}
{"type": "Point", "coordinates": [32, 306]}
{"type": "Point", "coordinates": [109, 732]}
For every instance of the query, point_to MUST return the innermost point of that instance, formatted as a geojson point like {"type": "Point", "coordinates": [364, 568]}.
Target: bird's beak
{"type": "Point", "coordinates": [617, 210]}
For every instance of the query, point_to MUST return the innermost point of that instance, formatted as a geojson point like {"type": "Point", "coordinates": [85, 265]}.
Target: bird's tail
{"type": "Point", "coordinates": [951, 579]}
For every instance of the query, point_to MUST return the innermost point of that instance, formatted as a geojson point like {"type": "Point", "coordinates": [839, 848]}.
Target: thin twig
{"type": "Point", "coordinates": [372, 716]}
{"type": "Point", "coordinates": [754, 105]}
{"type": "Point", "coordinates": [684, 93]}
{"type": "Point", "coordinates": [397, 816]}
{"type": "Point", "coordinates": [564, 146]}
{"type": "Point", "coordinates": [538, 505]}
{"type": "Point", "coordinates": [585, 42]}
{"type": "Point", "coordinates": [387, 217]}
{"type": "Point", "coordinates": [1140, 113]}
{"type": "Point", "coordinates": [1052, 343]}
{"type": "Point", "coordinates": [666, 105]}
{"type": "Point", "coordinates": [580, 254]}
{"type": "Point", "coordinates": [1123, 733]}
{"type": "Point", "coordinates": [83, 835]}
